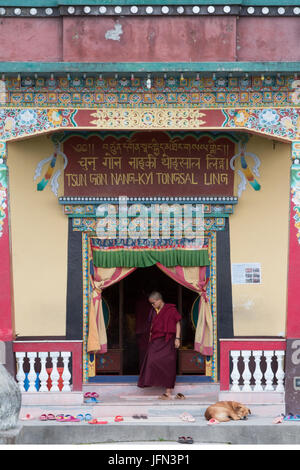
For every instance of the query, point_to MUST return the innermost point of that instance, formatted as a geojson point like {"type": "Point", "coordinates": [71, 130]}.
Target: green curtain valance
{"type": "Point", "coordinates": [144, 258]}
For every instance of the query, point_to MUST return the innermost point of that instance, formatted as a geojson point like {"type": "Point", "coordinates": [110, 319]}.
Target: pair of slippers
{"type": "Point", "coordinates": [60, 418]}
{"type": "Point", "coordinates": [47, 417]}
{"type": "Point", "coordinates": [187, 417]}
{"type": "Point", "coordinates": [97, 421]}
{"type": "Point", "coordinates": [165, 396]}
{"type": "Point", "coordinates": [66, 418]}
{"type": "Point", "coordinates": [289, 417]}
{"type": "Point", "coordinates": [185, 440]}
{"type": "Point", "coordinates": [91, 397]}
{"type": "Point", "coordinates": [117, 419]}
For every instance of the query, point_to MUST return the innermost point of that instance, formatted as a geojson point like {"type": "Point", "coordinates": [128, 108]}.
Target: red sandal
{"type": "Point", "coordinates": [119, 418]}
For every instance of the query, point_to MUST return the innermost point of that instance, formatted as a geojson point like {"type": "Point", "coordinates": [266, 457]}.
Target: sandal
{"type": "Point", "coordinates": [291, 417]}
{"type": "Point", "coordinates": [26, 417]}
{"type": "Point", "coordinates": [164, 396]}
{"type": "Point", "coordinates": [69, 419]}
{"type": "Point", "coordinates": [213, 421]}
{"type": "Point", "coordinates": [187, 417]}
{"type": "Point", "coordinates": [59, 417]}
{"type": "Point", "coordinates": [189, 440]}
{"type": "Point", "coordinates": [92, 395]}
{"type": "Point", "coordinates": [91, 400]}
{"type": "Point", "coordinates": [278, 419]}
{"type": "Point", "coordinates": [51, 417]}
{"type": "Point", "coordinates": [118, 419]}
{"type": "Point", "coordinates": [185, 440]}
{"type": "Point", "coordinates": [95, 421]}
{"type": "Point", "coordinates": [180, 396]}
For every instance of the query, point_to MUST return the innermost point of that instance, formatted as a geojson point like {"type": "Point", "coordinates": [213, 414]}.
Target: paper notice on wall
{"type": "Point", "coordinates": [246, 273]}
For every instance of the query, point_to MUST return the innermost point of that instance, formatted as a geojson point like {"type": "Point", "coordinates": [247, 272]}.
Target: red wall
{"type": "Point", "coordinates": [28, 39]}
{"type": "Point", "coordinates": [144, 39]}
{"type": "Point", "coordinates": [265, 39]}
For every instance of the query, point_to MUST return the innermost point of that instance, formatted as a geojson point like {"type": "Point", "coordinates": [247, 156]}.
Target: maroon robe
{"type": "Point", "coordinates": [159, 366]}
{"type": "Point", "coordinates": [142, 326]}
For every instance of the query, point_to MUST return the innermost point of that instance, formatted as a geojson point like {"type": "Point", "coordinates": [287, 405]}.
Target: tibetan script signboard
{"type": "Point", "coordinates": [148, 164]}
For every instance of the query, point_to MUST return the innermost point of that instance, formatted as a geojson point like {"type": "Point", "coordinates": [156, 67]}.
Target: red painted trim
{"type": "Point", "coordinates": [6, 313]}
{"type": "Point", "coordinates": [43, 346]}
{"type": "Point", "coordinates": [293, 298]}
{"type": "Point", "coordinates": [239, 345]}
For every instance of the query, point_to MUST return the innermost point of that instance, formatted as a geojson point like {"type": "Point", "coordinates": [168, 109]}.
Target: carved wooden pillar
{"type": "Point", "coordinates": [6, 301]}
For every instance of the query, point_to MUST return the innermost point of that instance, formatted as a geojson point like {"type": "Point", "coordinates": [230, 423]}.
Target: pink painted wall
{"type": "Point", "coordinates": [150, 39]}
{"type": "Point", "coordinates": [146, 40]}
{"type": "Point", "coordinates": [265, 39]}
{"type": "Point", "coordinates": [29, 39]}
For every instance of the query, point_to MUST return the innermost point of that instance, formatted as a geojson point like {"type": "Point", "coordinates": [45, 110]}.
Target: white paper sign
{"type": "Point", "coordinates": [246, 273]}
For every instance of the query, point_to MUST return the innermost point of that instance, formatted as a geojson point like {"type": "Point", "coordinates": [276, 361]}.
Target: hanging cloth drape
{"type": "Point", "coordinates": [185, 266]}
{"type": "Point", "coordinates": [144, 257]}
{"type": "Point", "coordinates": [102, 278]}
{"type": "Point", "coordinates": [194, 279]}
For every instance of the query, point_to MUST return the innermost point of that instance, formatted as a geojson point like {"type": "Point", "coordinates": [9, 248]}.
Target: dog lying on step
{"type": "Point", "coordinates": [223, 411]}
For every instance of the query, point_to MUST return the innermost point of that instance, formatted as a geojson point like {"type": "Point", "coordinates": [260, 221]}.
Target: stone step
{"type": "Point", "coordinates": [152, 408]}
{"type": "Point", "coordinates": [131, 391]}
{"type": "Point", "coordinates": [256, 430]}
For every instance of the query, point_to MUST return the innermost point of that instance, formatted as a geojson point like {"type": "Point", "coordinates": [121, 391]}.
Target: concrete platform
{"type": "Point", "coordinates": [162, 426]}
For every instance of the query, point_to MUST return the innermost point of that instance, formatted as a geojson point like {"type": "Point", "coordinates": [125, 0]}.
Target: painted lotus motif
{"type": "Point", "coordinates": [27, 117]}
{"type": "Point", "coordinates": [268, 117]}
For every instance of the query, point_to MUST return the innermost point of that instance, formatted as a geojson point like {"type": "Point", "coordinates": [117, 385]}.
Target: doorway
{"type": "Point", "coordinates": [123, 319]}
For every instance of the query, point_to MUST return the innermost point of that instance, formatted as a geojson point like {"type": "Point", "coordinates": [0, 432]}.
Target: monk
{"type": "Point", "coordinates": [159, 366]}
{"type": "Point", "coordinates": [142, 325]}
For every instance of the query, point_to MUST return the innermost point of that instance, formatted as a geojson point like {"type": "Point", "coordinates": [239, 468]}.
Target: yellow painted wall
{"type": "Point", "coordinates": [259, 234]}
{"type": "Point", "coordinates": [39, 243]}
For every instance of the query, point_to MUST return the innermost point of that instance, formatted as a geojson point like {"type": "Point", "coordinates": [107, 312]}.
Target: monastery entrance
{"type": "Point", "coordinates": [127, 310]}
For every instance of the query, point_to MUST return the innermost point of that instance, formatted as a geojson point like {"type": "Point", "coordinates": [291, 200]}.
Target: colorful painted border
{"type": "Point", "coordinates": [129, 90]}
{"type": "Point", "coordinates": [278, 123]}
{"type": "Point", "coordinates": [212, 368]}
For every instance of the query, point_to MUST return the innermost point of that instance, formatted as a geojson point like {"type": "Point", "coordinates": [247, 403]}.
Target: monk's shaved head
{"type": "Point", "coordinates": [155, 295]}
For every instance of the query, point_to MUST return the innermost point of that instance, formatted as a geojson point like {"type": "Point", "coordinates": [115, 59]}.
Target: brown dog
{"type": "Point", "coordinates": [224, 411]}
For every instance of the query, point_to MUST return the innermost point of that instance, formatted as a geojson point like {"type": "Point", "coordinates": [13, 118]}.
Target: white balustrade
{"type": "Point", "coordinates": [246, 374]}
{"type": "Point", "coordinates": [54, 374]}
{"type": "Point", "coordinates": [257, 373]}
{"type": "Point", "coordinates": [43, 374]}
{"type": "Point", "coordinates": [235, 372]}
{"type": "Point", "coordinates": [32, 374]}
{"type": "Point", "coordinates": [20, 356]}
{"type": "Point", "coordinates": [38, 381]}
{"type": "Point", "coordinates": [66, 376]}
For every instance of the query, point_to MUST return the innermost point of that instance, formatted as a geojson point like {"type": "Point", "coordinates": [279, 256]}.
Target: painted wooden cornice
{"type": "Point", "coordinates": [56, 8]}
{"type": "Point", "coordinates": [142, 68]}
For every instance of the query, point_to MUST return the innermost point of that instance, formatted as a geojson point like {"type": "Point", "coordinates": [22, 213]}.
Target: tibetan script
{"type": "Point", "coordinates": [148, 164]}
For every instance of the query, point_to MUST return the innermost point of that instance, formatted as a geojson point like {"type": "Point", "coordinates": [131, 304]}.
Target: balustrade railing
{"type": "Point", "coordinates": [49, 366]}
{"type": "Point", "coordinates": [252, 365]}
